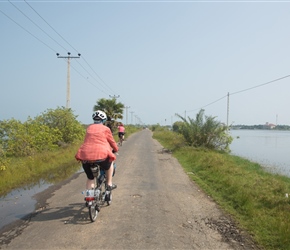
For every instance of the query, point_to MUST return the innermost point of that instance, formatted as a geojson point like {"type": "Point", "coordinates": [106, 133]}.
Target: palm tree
{"type": "Point", "coordinates": [113, 109]}
{"type": "Point", "coordinates": [205, 131]}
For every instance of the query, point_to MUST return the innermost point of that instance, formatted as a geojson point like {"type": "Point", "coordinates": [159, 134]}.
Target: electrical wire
{"type": "Point", "coordinates": [260, 85]}
{"type": "Point", "coordinates": [35, 24]}
{"type": "Point", "coordinates": [240, 91]}
{"type": "Point", "coordinates": [50, 26]}
{"type": "Point", "coordinates": [103, 84]}
{"type": "Point", "coordinates": [88, 80]}
{"type": "Point", "coordinates": [73, 48]}
{"type": "Point", "coordinates": [27, 31]}
{"type": "Point", "coordinates": [208, 104]}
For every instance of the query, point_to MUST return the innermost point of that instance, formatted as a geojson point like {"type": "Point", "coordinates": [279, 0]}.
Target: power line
{"type": "Point", "coordinates": [72, 47]}
{"type": "Point", "coordinates": [240, 91]}
{"type": "Point", "coordinates": [50, 25]}
{"type": "Point", "coordinates": [104, 85]}
{"type": "Point", "coordinates": [208, 104]}
{"type": "Point", "coordinates": [260, 85]}
{"type": "Point", "coordinates": [92, 75]}
{"type": "Point", "coordinates": [88, 80]}
{"type": "Point", "coordinates": [27, 31]}
{"type": "Point", "coordinates": [97, 74]}
{"type": "Point", "coordinates": [36, 24]}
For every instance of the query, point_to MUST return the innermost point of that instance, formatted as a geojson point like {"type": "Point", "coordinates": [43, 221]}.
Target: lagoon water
{"type": "Point", "coordinates": [270, 148]}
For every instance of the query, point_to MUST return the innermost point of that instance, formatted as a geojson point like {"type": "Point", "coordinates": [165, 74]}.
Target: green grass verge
{"type": "Point", "coordinates": [255, 198]}
{"type": "Point", "coordinates": [49, 166]}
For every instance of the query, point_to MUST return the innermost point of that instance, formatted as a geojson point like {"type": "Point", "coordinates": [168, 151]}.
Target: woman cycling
{"type": "Point", "coordinates": [99, 145]}
{"type": "Point", "coordinates": [121, 133]}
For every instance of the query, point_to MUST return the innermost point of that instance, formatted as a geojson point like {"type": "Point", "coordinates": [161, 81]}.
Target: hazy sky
{"type": "Point", "coordinates": [159, 57]}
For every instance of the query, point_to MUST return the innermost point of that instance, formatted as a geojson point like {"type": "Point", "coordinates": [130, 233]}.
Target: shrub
{"type": "Point", "coordinates": [48, 131]}
{"type": "Point", "coordinates": [63, 121]}
{"type": "Point", "coordinates": [205, 131]}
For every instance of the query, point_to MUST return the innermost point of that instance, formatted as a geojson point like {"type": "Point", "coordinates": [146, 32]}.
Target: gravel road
{"type": "Point", "coordinates": [156, 206]}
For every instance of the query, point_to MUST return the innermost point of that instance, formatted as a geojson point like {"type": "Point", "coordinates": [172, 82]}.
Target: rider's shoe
{"type": "Point", "coordinates": [110, 188]}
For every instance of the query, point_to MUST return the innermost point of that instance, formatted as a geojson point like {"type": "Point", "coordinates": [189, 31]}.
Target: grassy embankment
{"type": "Point", "coordinates": [254, 198]}
{"type": "Point", "coordinates": [52, 167]}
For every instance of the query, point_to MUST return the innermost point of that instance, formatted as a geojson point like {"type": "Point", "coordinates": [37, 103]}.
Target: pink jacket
{"type": "Point", "coordinates": [121, 129]}
{"type": "Point", "coordinates": [98, 144]}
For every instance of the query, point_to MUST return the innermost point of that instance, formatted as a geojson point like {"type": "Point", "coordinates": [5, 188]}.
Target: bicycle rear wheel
{"type": "Point", "coordinates": [93, 212]}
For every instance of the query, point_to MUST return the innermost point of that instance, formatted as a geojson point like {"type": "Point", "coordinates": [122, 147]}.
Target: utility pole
{"type": "Point", "coordinates": [132, 112]}
{"type": "Point", "coordinates": [228, 109]}
{"type": "Point", "coordinates": [114, 96]}
{"type": "Point", "coordinates": [127, 107]}
{"type": "Point", "coordinates": [68, 57]}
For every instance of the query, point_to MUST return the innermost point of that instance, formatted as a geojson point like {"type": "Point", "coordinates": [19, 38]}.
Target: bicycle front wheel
{"type": "Point", "coordinates": [93, 212]}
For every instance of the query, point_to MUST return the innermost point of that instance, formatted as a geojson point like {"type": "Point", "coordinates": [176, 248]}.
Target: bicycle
{"type": "Point", "coordinates": [121, 139]}
{"type": "Point", "coordinates": [97, 197]}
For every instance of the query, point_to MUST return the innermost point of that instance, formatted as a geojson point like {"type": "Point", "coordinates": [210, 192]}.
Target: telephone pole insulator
{"type": "Point", "coordinates": [114, 96]}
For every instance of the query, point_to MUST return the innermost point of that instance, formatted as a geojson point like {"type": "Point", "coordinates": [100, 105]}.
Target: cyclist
{"type": "Point", "coordinates": [99, 145]}
{"type": "Point", "coordinates": [121, 132]}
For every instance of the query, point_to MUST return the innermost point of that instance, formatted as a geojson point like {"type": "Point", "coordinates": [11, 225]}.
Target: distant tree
{"type": "Point", "coordinates": [113, 109]}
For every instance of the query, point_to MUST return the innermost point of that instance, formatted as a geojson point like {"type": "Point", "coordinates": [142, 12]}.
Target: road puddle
{"type": "Point", "coordinates": [21, 202]}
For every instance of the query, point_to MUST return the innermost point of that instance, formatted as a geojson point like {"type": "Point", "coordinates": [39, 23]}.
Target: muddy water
{"type": "Point", "coordinates": [21, 202]}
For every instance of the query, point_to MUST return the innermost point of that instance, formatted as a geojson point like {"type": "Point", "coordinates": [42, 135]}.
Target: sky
{"type": "Point", "coordinates": [158, 58]}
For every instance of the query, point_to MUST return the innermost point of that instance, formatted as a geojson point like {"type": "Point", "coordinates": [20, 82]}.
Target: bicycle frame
{"type": "Point", "coordinates": [97, 197]}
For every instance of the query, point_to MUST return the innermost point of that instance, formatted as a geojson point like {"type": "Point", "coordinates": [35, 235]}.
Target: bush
{"type": "Point", "coordinates": [204, 131]}
{"type": "Point", "coordinates": [48, 131]}
{"type": "Point", "coordinates": [64, 122]}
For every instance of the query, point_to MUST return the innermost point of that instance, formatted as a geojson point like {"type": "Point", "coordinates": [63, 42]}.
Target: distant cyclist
{"type": "Point", "coordinates": [121, 133]}
{"type": "Point", "coordinates": [99, 146]}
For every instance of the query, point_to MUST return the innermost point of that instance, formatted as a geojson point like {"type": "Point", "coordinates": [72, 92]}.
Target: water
{"type": "Point", "coordinates": [21, 202]}
{"type": "Point", "coordinates": [270, 148]}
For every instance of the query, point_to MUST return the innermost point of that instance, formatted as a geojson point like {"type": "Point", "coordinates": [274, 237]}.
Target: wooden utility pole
{"type": "Point", "coordinates": [127, 107]}
{"type": "Point", "coordinates": [68, 57]}
{"type": "Point", "coordinates": [228, 109]}
{"type": "Point", "coordinates": [132, 112]}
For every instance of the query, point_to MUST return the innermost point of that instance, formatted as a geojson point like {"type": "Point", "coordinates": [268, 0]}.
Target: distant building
{"type": "Point", "coordinates": [269, 125]}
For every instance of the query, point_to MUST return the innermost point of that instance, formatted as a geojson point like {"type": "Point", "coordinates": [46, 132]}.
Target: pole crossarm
{"type": "Point", "coordinates": [68, 57]}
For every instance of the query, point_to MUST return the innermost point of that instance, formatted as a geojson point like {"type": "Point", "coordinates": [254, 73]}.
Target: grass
{"type": "Point", "coordinates": [254, 197]}
{"type": "Point", "coordinates": [49, 166]}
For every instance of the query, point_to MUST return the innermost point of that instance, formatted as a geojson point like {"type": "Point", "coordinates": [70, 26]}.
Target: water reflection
{"type": "Point", "coordinates": [270, 148]}
{"type": "Point", "coordinates": [20, 202]}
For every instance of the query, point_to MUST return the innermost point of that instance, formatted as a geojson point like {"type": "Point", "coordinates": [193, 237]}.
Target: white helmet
{"type": "Point", "coordinates": [99, 115]}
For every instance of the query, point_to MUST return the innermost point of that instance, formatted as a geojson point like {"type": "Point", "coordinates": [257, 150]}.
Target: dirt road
{"type": "Point", "coordinates": [155, 206]}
